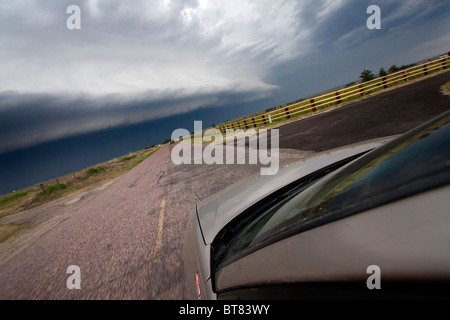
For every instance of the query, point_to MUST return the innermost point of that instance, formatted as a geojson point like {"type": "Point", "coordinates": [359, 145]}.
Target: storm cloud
{"type": "Point", "coordinates": [138, 60]}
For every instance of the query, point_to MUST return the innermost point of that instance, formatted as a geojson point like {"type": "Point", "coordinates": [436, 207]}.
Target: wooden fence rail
{"type": "Point", "coordinates": [337, 97]}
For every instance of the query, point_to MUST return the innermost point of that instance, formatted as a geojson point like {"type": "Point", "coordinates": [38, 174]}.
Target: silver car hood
{"type": "Point", "coordinates": [218, 210]}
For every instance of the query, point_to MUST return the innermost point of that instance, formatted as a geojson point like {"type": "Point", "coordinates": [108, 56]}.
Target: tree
{"type": "Point", "coordinates": [393, 69]}
{"type": "Point", "coordinates": [382, 72]}
{"type": "Point", "coordinates": [366, 75]}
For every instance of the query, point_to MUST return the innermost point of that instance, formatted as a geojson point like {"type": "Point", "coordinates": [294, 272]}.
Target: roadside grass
{"type": "Point", "coordinates": [13, 197]}
{"type": "Point", "coordinates": [138, 158]}
{"type": "Point", "coordinates": [94, 170]}
{"type": "Point", "coordinates": [48, 191]}
{"type": "Point", "coordinates": [446, 88]}
{"type": "Point", "coordinates": [128, 158]}
{"type": "Point", "coordinates": [8, 230]}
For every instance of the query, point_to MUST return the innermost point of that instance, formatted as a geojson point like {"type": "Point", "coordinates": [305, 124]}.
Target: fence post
{"type": "Point", "coordinates": [245, 124]}
{"type": "Point", "coordinates": [312, 104]}
{"type": "Point", "coordinates": [385, 85]}
{"type": "Point", "coordinates": [254, 124]}
{"type": "Point", "coordinates": [444, 63]}
{"type": "Point", "coordinates": [361, 89]}
{"type": "Point", "coordinates": [338, 97]}
{"type": "Point", "coordinates": [263, 119]}
{"type": "Point", "coordinates": [286, 110]}
{"type": "Point", "coordinates": [425, 70]}
{"type": "Point", "coordinates": [405, 75]}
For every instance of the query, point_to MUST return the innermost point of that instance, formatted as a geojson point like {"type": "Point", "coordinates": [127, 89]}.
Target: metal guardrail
{"type": "Point", "coordinates": [337, 97]}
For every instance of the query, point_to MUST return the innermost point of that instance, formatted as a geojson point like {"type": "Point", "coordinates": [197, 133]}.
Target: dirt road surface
{"type": "Point", "coordinates": [127, 235]}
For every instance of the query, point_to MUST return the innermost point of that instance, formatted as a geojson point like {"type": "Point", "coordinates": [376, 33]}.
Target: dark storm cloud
{"type": "Point", "coordinates": [28, 119]}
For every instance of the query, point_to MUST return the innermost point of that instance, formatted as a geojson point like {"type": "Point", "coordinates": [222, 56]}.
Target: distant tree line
{"type": "Point", "coordinates": [367, 74]}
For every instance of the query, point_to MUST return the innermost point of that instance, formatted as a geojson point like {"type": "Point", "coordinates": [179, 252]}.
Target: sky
{"type": "Point", "coordinates": [133, 61]}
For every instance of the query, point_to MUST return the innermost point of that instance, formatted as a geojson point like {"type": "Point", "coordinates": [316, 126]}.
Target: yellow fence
{"type": "Point", "coordinates": [337, 97]}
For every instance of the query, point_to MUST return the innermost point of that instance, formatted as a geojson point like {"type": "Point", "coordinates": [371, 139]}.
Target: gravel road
{"type": "Point", "coordinates": [127, 235]}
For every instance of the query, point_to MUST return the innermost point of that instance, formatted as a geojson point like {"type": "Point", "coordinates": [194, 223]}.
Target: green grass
{"type": "Point", "coordinates": [51, 192]}
{"type": "Point", "coordinates": [52, 188]}
{"type": "Point", "coordinates": [94, 170]}
{"type": "Point", "coordinates": [13, 197]}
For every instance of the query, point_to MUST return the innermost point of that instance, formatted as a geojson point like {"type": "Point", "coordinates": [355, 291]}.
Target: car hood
{"type": "Point", "coordinates": [218, 210]}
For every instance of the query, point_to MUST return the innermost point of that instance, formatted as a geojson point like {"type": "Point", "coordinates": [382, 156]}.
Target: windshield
{"type": "Point", "coordinates": [415, 162]}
